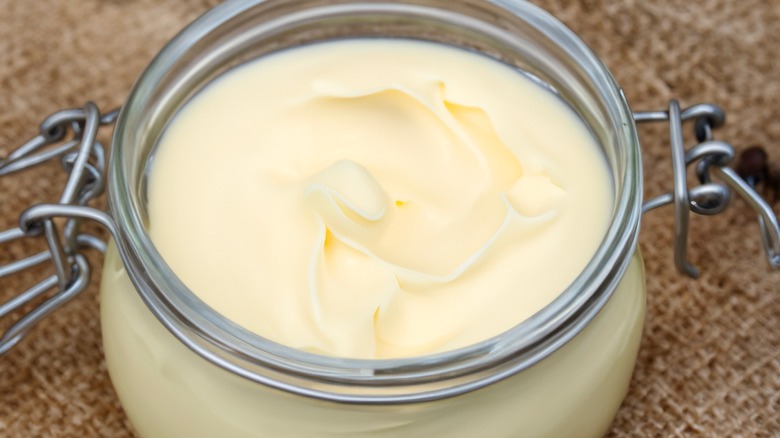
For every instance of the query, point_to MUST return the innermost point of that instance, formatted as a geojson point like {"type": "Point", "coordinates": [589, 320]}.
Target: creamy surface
{"type": "Point", "coordinates": [377, 198]}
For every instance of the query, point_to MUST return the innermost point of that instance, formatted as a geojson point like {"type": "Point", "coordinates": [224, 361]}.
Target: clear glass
{"type": "Point", "coordinates": [513, 32]}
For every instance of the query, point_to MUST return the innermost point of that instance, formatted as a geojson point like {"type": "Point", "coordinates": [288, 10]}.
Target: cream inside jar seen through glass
{"type": "Point", "coordinates": [218, 369]}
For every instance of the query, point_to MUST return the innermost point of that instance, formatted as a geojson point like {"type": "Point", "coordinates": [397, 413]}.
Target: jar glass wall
{"type": "Point", "coordinates": [168, 390]}
{"type": "Point", "coordinates": [223, 377]}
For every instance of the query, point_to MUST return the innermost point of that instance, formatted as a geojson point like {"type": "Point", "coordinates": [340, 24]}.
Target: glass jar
{"type": "Point", "coordinates": [181, 369]}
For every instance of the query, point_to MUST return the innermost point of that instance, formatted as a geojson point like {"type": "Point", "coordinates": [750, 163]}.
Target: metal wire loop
{"type": "Point", "coordinates": [83, 159]}
{"type": "Point", "coordinates": [711, 157]}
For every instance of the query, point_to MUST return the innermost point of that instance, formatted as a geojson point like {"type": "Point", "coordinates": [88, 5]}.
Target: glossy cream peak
{"type": "Point", "coordinates": [377, 198]}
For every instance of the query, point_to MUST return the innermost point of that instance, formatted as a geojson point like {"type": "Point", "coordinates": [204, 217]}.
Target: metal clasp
{"type": "Point", "coordinates": [83, 159]}
{"type": "Point", "coordinates": [711, 158]}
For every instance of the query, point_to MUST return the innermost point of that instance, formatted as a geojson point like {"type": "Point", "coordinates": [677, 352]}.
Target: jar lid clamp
{"type": "Point", "coordinates": [711, 157]}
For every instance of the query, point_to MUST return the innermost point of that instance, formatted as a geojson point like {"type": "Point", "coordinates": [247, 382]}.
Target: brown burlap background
{"type": "Point", "coordinates": [710, 358]}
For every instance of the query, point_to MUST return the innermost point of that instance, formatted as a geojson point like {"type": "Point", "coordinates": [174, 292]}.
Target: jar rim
{"type": "Point", "coordinates": [246, 354]}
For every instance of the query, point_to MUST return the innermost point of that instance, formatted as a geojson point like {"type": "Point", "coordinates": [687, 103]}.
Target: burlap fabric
{"type": "Point", "coordinates": [710, 358]}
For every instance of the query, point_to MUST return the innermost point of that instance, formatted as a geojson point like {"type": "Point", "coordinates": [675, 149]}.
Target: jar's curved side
{"type": "Point", "coordinates": [168, 390]}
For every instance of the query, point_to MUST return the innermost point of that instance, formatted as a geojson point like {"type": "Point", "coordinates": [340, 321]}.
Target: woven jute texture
{"type": "Point", "coordinates": [709, 363]}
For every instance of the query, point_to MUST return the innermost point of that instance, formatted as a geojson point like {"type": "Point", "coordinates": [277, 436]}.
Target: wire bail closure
{"type": "Point", "coordinates": [83, 159]}
{"type": "Point", "coordinates": [709, 198]}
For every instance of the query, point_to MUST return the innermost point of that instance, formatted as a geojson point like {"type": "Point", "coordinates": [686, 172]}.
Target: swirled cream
{"type": "Point", "coordinates": [377, 198]}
